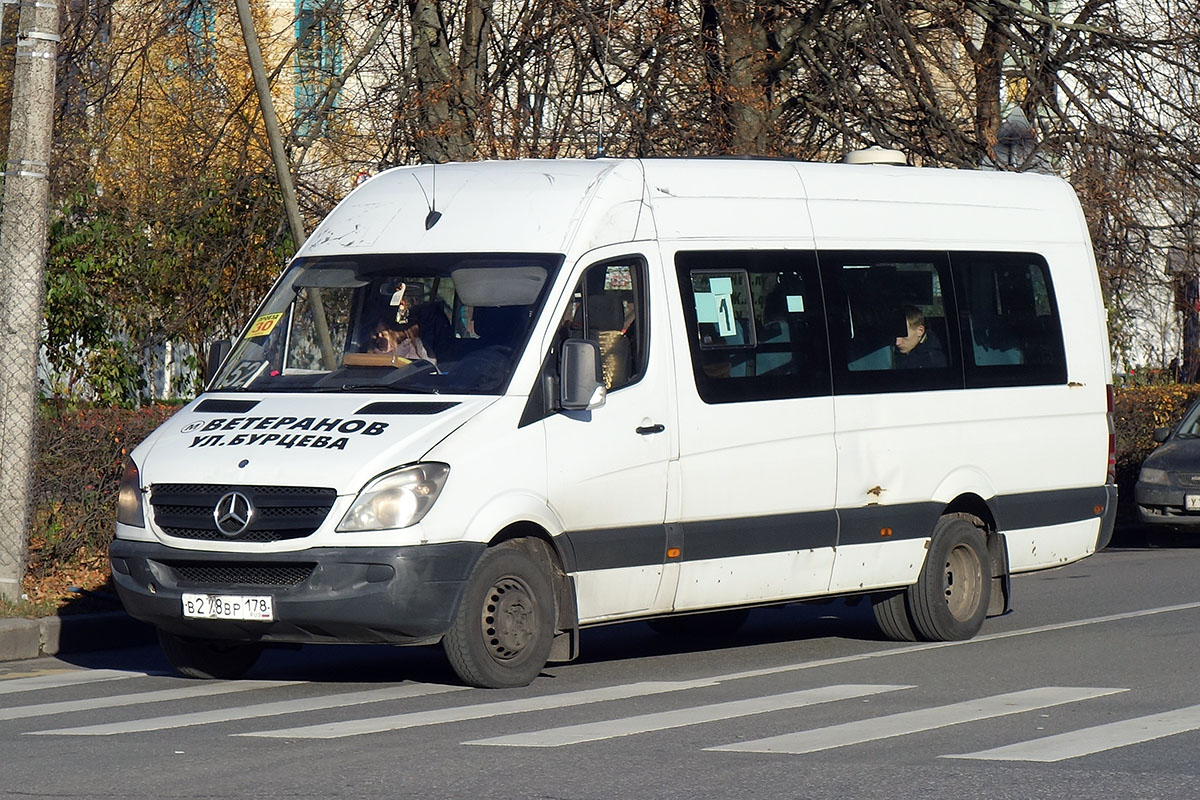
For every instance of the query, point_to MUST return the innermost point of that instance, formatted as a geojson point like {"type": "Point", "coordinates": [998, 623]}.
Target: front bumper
{"type": "Point", "coordinates": [399, 595]}
{"type": "Point", "coordinates": [1165, 505]}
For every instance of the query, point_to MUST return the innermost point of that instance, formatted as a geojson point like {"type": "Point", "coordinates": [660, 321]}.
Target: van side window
{"type": "Point", "coordinates": [1010, 327]}
{"type": "Point", "coordinates": [608, 306]}
{"type": "Point", "coordinates": [892, 319]}
{"type": "Point", "coordinates": [756, 324]}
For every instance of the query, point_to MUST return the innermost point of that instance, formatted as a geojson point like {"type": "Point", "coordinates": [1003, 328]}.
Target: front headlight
{"type": "Point", "coordinates": [129, 499]}
{"type": "Point", "coordinates": [1152, 475]}
{"type": "Point", "coordinates": [397, 499]}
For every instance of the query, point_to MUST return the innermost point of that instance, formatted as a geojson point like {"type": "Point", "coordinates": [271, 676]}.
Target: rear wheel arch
{"type": "Point", "coordinates": [973, 505]}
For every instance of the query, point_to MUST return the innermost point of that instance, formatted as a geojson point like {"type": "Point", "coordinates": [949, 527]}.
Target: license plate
{"type": "Point", "coordinates": [1192, 502]}
{"type": "Point", "coordinates": [228, 606]}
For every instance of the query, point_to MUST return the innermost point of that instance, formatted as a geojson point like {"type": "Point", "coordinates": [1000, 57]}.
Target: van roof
{"type": "Point", "coordinates": [573, 205]}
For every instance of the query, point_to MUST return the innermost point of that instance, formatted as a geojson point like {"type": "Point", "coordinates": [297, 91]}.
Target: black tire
{"type": "Point", "coordinates": [949, 601]}
{"type": "Point", "coordinates": [208, 659]}
{"type": "Point", "coordinates": [704, 627]}
{"type": "Point", "coordinates": [891, 614]}
{"type": "Point", "coordinates": [501, 634]}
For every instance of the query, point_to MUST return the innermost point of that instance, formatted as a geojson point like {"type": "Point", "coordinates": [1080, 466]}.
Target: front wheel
{"type": "Point", "coordinates": [502, 632]}
{"type": "Point", "coordinates": [949, 601]}
{"type": "Point", "coordinates": [208, 659]}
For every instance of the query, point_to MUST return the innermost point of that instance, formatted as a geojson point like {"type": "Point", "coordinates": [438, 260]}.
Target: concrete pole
{"type": "Point", "coordinates": [23, 223]}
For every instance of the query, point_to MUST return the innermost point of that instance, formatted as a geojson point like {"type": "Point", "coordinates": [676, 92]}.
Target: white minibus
{"type": "Point", "coordinates": [489, 404]}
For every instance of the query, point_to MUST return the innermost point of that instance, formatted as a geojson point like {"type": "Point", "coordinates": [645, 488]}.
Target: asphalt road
{"type": "Point", "coordinates": [1088, 688]}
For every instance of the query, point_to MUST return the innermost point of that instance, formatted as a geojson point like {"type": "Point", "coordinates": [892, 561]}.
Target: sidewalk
{"type": "Point", "coordinates": [75, 633]}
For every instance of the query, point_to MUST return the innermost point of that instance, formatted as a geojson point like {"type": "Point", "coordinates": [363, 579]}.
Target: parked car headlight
{"type": "Point", "coordinates": [397, 499]}
{"type": "Point", "coordinates": [1152, 475]}
{"type": "Point", "coordinates": [129, 498]}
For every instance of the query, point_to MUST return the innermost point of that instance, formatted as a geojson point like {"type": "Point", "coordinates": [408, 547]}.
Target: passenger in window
{"type": "Point", "coordinates": [921, 347]}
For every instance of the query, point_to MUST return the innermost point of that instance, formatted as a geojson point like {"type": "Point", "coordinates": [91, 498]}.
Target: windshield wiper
{"type": "Point", "coordinates": [373, 387]}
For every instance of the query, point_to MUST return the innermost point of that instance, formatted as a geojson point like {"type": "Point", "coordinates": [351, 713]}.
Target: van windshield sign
{"type": "Point", "coordinates": [324, 432]}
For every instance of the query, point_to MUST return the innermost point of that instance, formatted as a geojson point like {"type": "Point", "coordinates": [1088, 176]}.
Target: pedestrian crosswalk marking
{"type": "Point", "coordinates": [36, 673]}
{"type": "Point", "coordinates": [645, 723]}
{"type": "Point", "coordinates": [1094, 740]}
{"type": "Point", "coordinates": [910, 649]}
{"type": "Point", "coordinates": [357, 727]}
{"type": "Point", "coordinates": [259, 710]}
{"type": "Point", "coordinates": [925, 719]}
{"type": "Point", "coordinates": [138, 698]}
{"type": "Point", "coordinates": [70, 678]}
{"type": "Point", "coordinates": [1048, 749]}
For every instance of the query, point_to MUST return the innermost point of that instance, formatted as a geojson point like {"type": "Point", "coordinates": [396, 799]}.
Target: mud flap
{"type": "Point", "coordinates": [1001, 592]}
{"type": "Point", "coordinates": [565, 646]}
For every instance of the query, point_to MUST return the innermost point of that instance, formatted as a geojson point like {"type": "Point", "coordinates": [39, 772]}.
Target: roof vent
{"type": "Point", "coordinates": [875, 155]}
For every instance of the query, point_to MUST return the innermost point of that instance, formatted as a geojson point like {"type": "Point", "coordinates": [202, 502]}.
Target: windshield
{"type": "Point", "coordinates": [1189, 427]}
{"type": "Point", "coordinates": [407, 323]}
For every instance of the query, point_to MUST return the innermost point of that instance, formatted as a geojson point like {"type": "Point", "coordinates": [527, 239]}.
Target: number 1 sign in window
{"type": "Point", "coordinates": [724, 313]}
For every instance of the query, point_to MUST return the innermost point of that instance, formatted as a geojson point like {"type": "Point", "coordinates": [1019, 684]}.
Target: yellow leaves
{"type": "Point", "coordinates": [1139, 410]}
{"type": "Point", "coordinates": [182, 106]}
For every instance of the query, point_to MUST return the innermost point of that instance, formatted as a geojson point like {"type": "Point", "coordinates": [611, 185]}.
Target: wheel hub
{"type": "Point", "coordinates": [509, 618]}
{"type": "Point", "coordinates": [964, 582]}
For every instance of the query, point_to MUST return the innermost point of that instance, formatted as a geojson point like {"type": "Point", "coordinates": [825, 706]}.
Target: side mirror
{"type": "Point", "coordinates": [581, 377]}
{"type": "Point", "coordinates": [216, 354]}
{"type": "Point", "coordinates": [1161, 434]}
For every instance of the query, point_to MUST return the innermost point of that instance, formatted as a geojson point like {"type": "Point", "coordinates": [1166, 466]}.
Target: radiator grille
{"type": "Point", "coordinates": [185, 511]}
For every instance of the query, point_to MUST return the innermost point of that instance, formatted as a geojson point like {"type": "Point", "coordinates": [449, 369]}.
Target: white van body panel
{"type": "Point", "coordinates": [204, 447]}
{"type": "Point", "coordinates": [862, 567]}
{"type": "Point", "coordinates": [488, 210]}
{"type": "Point", "coordinates": [498, 477]}
{"type": "Point", "coordinates": [885, 206]}
{"type": "Point", "coordinates": [1032, 549]}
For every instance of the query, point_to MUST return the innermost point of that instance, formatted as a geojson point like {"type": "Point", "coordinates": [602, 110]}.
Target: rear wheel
{"type": "Point", "coordinates": [949, 601]}
{"type": "Point", "coordinates": [208, 659]}
{"type": "Point", "coordinates": [502, 632]}
{"type": "Point", "coordinates": [891, 614]}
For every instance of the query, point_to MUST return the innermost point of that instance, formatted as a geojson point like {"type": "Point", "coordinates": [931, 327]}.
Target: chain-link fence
{"type": "Point", "coordinates": [23, 218]}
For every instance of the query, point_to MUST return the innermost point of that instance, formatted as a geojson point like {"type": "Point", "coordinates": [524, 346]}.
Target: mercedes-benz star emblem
{"type": "Point", "coordinates": [233, 513]}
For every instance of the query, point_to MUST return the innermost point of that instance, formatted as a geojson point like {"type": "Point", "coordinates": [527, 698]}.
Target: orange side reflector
{"type": "Point", "coordinates": [1097, 510]}
{"type": "Point", "coordinates": [673, 552]}
{"type": "Point", "coordinates": [885, 532]}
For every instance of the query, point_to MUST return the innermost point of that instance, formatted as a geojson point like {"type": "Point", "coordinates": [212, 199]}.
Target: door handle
{"type": "Point", "coordinates": [646, 430]}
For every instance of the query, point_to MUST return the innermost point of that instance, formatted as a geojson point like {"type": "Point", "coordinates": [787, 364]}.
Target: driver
{"type": "Point", "coordinates": [399, 339]}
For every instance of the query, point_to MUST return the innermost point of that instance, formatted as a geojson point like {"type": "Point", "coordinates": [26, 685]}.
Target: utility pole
{"type": "Point", "coordinates": [23, 225]}
{"type": "Point", "coordinates": [283, 170]}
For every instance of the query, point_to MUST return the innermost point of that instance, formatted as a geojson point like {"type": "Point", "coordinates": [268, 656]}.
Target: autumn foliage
{"type": "Point", "coordinates": [1137, 412]}
{"type": "Point", "coordinates": [81, 452]}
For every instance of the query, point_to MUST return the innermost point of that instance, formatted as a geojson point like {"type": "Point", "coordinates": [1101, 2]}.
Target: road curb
{"type": "Point", "coordinates": [75, 633]}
